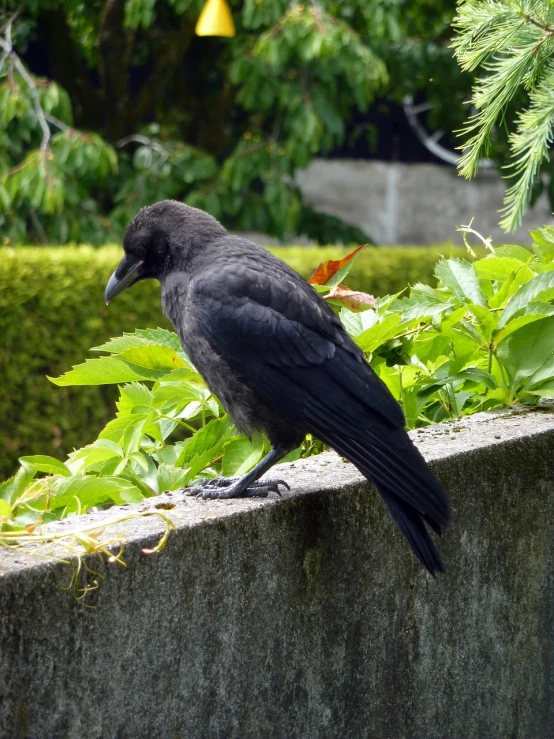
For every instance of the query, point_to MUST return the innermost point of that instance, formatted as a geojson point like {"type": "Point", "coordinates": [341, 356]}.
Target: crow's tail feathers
{"type": "Point", "coordinates": [410, 491]}
{"type": "Point", "coordinates": [413, 528]}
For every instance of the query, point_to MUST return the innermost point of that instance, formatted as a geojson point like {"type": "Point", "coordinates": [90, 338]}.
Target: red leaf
{"type": "Point", "coordinates": [329, 269]}
{"type": "Point", "coordinates": [356, 301]}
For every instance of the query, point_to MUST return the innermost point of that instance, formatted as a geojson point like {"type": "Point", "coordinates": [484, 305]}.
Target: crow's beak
{"type": "Point", "coordinates": [127, 272]}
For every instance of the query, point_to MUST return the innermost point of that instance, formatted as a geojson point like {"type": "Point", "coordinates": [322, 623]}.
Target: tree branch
{"type": "Point", "coordinates": [56, 122]}
{"type": "Point", "coordinates": [7, 47]}
{"type": "Point", "coordinates": [538, 24]}
{"type": "Point", "coordinates": [9, 53]}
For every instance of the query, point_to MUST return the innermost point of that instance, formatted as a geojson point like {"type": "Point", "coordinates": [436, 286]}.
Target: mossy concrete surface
{"type": "Point", "coordinates": [305, 616]}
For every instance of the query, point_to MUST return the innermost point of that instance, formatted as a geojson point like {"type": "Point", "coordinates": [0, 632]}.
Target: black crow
{"type": "Point", "coordinates": [280, 361]}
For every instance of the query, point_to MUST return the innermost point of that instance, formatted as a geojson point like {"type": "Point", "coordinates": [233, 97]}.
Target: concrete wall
{"type": "Point", "coordinates": [412, 203]}
{"type": "Point", "coordinates": [305, 617]}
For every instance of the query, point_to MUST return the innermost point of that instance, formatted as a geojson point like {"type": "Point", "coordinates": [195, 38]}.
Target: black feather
{"type": "Point", "coordinates": [280, 360]}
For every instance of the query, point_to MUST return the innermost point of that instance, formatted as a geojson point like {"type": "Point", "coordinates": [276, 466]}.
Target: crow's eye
{"type": "Point", "coordinates": [160, 244]}
{"type": "Point", "coordinates": [134, 253]}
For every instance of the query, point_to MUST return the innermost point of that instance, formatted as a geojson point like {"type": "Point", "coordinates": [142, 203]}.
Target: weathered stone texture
{"type": "Point", "coordinates": [307, 616]}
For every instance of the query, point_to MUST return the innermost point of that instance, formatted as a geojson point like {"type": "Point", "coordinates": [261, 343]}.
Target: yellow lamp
{"type": "Point", "coordinates": [215, 20]}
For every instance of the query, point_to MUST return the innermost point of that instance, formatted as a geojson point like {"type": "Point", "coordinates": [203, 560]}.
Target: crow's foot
{"type": "Point", "coordinates": [232, 487]}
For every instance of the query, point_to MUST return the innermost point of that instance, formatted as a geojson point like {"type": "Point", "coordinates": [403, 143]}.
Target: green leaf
{"type": "Point", "coordinates": [497, 268]}
{"type": "Point", "coordinates": [241, 455]}
{"type": "Point", "coordinates": [476, 375]}
{"type": "Point", "coordinates": [421, 306]}
{"type": "Point", "coordinates": [29, 517]}
{"type": "Point", "coordinates": [5, 509]}
{"type": "Point", "coordinates": [533, 312]}
{"type": "Point", "coordinates": [460, 399]}
{"type": "Point", "coordinates": [373, 337]}
{"type": "Point", "coordinates": [487, 321]}
{"type": "Point", "coordinates": [132, 436]}
{"type": "Point", "coordinates": [205, 446]}
{"type": "Point", "coordinates": [420, 288]}
{"type": "Point", "coordinates": [514, 252]}
{"type": "Point", "coordinates": [141, 337]}
{"type": "Point", "coordinates": [524, 351]}
{"type": "Point", "coordinates": [387, 301]}
{"type": "Point", "coordinates": [191, 410]}
{"type": "Point", "coordinates": [12, 489]}
{"type": "Point", "coordinates": [44, 463]}
{"type": "Point", "coordinates": [142, 471]}
{"type": "Point", "coordinates": [544, 243]}
{"type": "Point", "coordinates": [127, 431]}
{"type": "Point", "coordinates": [134, 397]}
{"type": "Point", "coordinates": [540, 288]}
{"type": "Point", "coordinates": [351, 321]}
{"type": "Point", "coordinates": [399, 379]}
{"type": "Point", "coordinates": [170, 394]}
{"type": "Point", "coordinates": [545, 372]}
{"type": "Point", "coordinates": [510, 286]}
{"type": "Point", "coordinates": [90, 491]}
{"type": "Point", "coordinates": [148, 362]}
{"type": "Point", "coordinates": [431, 345]}
{"type": "Point", "coordinates": [355, 323]}
{"type": "Point", "coordinates": [104, 371]}
{"type": "Point", "coordinates": [460, 276]}
{"type": "Point", "coordinates": [90, 455]}
{"type": "Point", "coordinates": [131, 495]}
{"type": "Point", "coordinates": [542, 391]}
{"type": "Point", "coordinates": [292, 456]}
{"type": "Point", "coordinates": [170, 477]}
{"type": "Point", "coordinates": [446, 322]}
{"type": "Point", "coordinates": [169, 454]}
{"type": "Point", "coordinates": [206, 438]}
{"type": "Point", "coordinates": [153, 357]}
{"type": "Point", "coordinates": [470, 374]}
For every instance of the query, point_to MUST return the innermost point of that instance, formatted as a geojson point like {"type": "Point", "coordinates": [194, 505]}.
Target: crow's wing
{"type": "Point", "coordinates": [261, 321]}
{"type": "Point", "coordinates": [280, 336]}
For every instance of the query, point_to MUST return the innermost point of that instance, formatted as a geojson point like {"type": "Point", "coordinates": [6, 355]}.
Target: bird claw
{"type": "Point", "coordinates": [222, 487]}
{"type": "Point", "coordinates": [273, 486]}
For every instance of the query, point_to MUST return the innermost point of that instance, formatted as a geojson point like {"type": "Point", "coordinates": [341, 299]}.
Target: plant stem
{"type": "Point", "coordinates": [540, 25]}
{"type": "Point", "coordinates": [179, 422]}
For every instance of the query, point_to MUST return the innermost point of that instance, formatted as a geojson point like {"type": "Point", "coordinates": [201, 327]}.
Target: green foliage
{"type": "Point", "coordinates": [512, 41]}
{"type": "Point", "coordinates": [52, 311]}
{"type": "Point", "coordinates": [481, 339]}
{"type": "Point", "coordinates": [222, 124]}
{"type": "Point", "coordinates": [137, 454]}
{"type": "Point", "coordinates": [270, 99]}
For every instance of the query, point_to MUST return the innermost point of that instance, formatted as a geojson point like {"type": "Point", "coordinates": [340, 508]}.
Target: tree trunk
{"type": "Point", "coordinates": [69, 68]}
{"type": "Point", "coordinates": [115, 46]}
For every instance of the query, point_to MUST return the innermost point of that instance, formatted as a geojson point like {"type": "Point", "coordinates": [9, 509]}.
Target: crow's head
{"type": "Point", "coordinates": [161, 238]}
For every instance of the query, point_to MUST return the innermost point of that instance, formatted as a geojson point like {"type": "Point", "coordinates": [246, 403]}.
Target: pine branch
{"type": "Point", "coordinates": [539, 25]}
{"type": "Point", "coordinates": [491, 96]}
{"type": "Point", "coordinates": [530, 147]}
{"type": "Point", "coordinates": [513, 42]}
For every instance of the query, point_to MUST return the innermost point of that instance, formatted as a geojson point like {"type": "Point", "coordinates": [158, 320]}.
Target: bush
{"type": "Point", "coordinates": [52, 311]}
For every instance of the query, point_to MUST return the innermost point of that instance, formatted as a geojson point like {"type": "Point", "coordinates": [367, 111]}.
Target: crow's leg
{"type": "Point", "coordinates": [247, 486]}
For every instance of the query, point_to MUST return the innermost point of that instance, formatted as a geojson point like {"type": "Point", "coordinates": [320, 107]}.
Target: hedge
{"type": "Point", "coordinates": [52, 312]}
